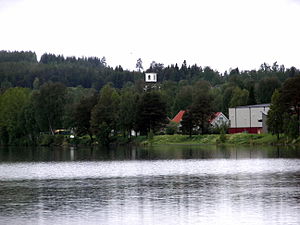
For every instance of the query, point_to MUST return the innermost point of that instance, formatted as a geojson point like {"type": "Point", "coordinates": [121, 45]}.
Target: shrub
{"type": "Point", "coordinates": [45, 140]}
{"type": "Point", "coordinates": [171, 128]}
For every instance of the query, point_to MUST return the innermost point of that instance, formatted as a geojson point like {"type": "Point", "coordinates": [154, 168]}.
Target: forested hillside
{"type": "Point", "coordinates": [54, 92]}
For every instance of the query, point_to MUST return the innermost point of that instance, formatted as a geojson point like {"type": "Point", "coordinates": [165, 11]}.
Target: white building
{"type": "Point", "coordinates": [219, 120]}
{"type": "Point", "coordinates": [247, 118]}
{"type": "Point", "coordinates": [151, 77]}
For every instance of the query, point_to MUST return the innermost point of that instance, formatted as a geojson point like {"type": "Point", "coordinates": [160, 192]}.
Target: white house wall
{"type": "Point", "coordinates": [232, 117]}
{"type": "Point", "coordinates": [218, 122]}
{"type": "Point", "coordinates": [243, 117]}
{"type": "Point", "coordinates": [246, 116]}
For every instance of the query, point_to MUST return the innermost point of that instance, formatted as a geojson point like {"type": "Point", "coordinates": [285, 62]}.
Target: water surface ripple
{"type": "Point", "coordinates": [136, 192]}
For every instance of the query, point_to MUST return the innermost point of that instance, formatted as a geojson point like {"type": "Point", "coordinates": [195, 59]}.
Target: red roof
{"type": "Point", "coordinates": [215, 116]}
{"type": "Point", "coordinates": [179, 116]}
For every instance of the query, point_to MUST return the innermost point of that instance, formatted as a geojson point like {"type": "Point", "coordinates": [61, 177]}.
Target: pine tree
{"type": "Point", "coordinates": [275, 115]}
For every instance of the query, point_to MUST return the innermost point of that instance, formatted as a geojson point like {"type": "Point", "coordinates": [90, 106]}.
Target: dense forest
{"type": "Point", "coordinates": [90, 97]}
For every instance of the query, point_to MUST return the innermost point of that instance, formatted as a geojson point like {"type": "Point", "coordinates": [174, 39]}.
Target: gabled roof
{"type": "Point", "coordinates": [178, 117]}
{"type": "Point", "coordinates": [216, 115]}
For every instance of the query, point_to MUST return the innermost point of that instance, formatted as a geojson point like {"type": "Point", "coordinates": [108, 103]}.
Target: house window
{"type": "Point", "coordinates": [149, 77]}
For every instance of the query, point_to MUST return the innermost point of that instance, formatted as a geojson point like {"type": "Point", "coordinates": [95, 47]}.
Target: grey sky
{"type": "Point", "coordinates": [216, 33]}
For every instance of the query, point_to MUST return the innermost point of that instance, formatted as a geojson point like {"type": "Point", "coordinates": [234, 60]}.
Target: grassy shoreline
{"type": "Point", "coordinates": [176, 139]}
{"type": "Point", "coordinates": [215, 139]}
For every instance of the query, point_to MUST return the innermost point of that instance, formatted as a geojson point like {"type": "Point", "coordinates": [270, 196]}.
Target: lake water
{"type": "Point", "coordinates": [159, 185]}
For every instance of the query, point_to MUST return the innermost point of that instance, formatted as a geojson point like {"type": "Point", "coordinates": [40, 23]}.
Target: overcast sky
{"type": "Point", "coordinates": [221, 34]}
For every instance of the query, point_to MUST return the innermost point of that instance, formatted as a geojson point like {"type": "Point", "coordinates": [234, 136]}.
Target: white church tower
{"type": "Point", "coordinates": [150, 77]}
{"type": "Point", "coordinates": [150, 81]}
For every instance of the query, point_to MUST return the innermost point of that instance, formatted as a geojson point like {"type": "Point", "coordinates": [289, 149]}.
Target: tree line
{"type": "Point", "coordinates": [88, 96]}
{"type": "Point", "coordinates": [26, 113]}
{"type": "Point", "coordinates": [284, 113]}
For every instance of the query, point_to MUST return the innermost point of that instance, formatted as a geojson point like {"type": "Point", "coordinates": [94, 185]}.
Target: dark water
{"type": "Point", "coordinates": [161, 185]}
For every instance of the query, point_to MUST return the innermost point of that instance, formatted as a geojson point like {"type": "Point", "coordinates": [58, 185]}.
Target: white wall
{"type": "Point", "coordinates": [246, 116]}
{"type": "Point", "coordinates": [220, 120]}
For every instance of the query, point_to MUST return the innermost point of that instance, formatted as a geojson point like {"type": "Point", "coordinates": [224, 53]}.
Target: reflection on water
{"type": "Point", "coordinates": [165, 185]}
{"type": "Point", "coordinates": [13, 154]}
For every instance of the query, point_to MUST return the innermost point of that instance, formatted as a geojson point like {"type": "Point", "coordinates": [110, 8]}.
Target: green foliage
{"type": "Point", "coordinates": [217, 97]}
{"type": "Point", "coordinates": [222, 137]}
{"type": "Point", "coordinates": [218, 129]}
{"type": "Point", "coordinates": [51, 140]}
{"type": "Point", "coordinates": [290, 98]}
{"type": "Point", "coordinates": [291, 126]}
{"type": "Point", "coordinates": [265, 89]}
{"type": "Point", "coordinates": [150, 135]}
{"type": "Point", "coordinates": [12, 104]}
{"type": "Point", "coordinates": [151, 112]}
{"type": "Point", "coordinates": [188, 123]}
{"type": "Point", "coordinates": [105, 114]}
{"type": "Point", "coordinates": [275, 115]}
{"type": "Point", "coordinates": [202, 111]}
{"type": "Point", "coordinates": [239, 97]}
{"type": "Point", "coordinates": [73, 97]}
{"type": "Point", "coordinates": [49, 103]}
{"type": "Point", "coordinates": [15, 56]}
{"type": "Point", "coordinates": [128, 111]}
{"type": "Point", "coordinates": [183, 98]}
{"type": "Point", "coordinates": [168, 91]}
{"type": "Point", "coordinates": [45, 140]}
{"type": "Point", "coordinates": [171, 128]}
{"type": "Point", "coordinates": [82, 115]}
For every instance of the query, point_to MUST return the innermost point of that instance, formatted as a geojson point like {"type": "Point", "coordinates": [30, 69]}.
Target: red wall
{"type": "Point", "coordinates": [250, 130]}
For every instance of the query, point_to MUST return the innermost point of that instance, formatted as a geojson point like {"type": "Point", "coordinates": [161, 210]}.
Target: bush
{"type": "Point", "coordinates": [171, 128]}
{"type": "Point", "coordinates": [150, 135]}
{"type": "Point", "coordinates": [222, 137]}
{"type": "Point", "coordinates": [45, 140]}
{"type": "Point", "coordinates": [48, 139]}
{"type": "Point", "coordinates": [291, 126]}
{"type": "Point", "coordinates": [219, 129]}
{"type": "Point", "coordinates": [58, 140]}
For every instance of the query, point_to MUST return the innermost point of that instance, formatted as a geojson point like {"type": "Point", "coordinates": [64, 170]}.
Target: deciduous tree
{"type": "Point", "coordinates": [105, 114]}
{"type": "Point", "coordinates": [49, 103]}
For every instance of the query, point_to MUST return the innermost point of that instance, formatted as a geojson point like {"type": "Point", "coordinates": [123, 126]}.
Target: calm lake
{"type": "Point", "coordinates": [157, 185]}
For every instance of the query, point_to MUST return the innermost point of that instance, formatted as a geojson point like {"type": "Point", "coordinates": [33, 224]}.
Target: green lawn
{"type": "Point", "coordinates": [234, 139]}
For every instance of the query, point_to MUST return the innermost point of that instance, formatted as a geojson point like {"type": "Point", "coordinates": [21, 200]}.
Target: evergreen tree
{"type": "Point", "coordinates": [188, 123]}
{"type": "Point", "coordinates": [290, 97]}
{"type": "Point", "coordinates": [128, 111]}
{"type": "Point", "coordinates": [202, 111]}
{"type": "Point", "coordinates": [275, 115]}
{"type": "Point", "coordinates": [265, 89]}
{"type": "Point", "coordinates": [82, 115]}
{"type": "Point", "coordinates": [151, 113]}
